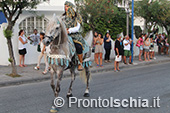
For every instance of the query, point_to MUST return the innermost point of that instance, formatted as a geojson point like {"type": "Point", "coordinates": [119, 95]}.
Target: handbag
{"type": "Point", "coordinates": [138, 45]}
{"type": "Point", "coordinates": [38, 48]}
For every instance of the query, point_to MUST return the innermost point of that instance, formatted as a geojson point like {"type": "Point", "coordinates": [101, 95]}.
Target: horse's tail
{"type": "Point", "coordinates": [84, 75]}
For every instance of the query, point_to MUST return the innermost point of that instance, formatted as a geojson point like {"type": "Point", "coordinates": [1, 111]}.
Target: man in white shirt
{"type": "Point", "coordinates": [127, 52]}
{"type": "Point", "coordinates": [34, 38]}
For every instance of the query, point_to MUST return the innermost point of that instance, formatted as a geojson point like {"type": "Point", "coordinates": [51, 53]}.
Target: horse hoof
{"type": "Point", "coordinates": [54, 110]}
{"type": "Point", "coordinates": [69, 95]}
{"type": "Point", "coordinates": [86, 95]}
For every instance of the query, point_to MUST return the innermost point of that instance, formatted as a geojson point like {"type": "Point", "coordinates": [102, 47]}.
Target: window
{"type": "Point", "coordinates": [31, 23]}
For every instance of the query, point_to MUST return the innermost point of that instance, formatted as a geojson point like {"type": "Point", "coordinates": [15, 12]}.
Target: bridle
{"type": "Point", "coordinates": [52, 38]}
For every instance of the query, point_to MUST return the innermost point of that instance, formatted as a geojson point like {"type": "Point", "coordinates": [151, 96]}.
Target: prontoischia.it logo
{"type": "Point", "coordinates": [109, 103]}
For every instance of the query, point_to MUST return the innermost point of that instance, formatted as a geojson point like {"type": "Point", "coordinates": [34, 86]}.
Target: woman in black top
{"type": "Point", "coordinates": [107, 47]}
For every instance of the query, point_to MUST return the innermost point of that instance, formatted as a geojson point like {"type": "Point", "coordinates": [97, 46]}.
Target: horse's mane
{"type": "Point", "coordinates": [64, 36]}
{"type": "Point", "coordinates": [62, 39]}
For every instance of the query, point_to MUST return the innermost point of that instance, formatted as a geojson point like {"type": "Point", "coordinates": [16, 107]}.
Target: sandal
{"type": "Point", "coordinates": [20, 65]}
{"type": "Point", "coordinates": [106, 61]}
{"type": "Point", "coordinates": [130, 63]}
{"type": "Point", "coordinates": [118, 70]}
{"type": "Point", "coordinates": [97, 65]}
{"type": "Point", "coordinates": [140, 60]}
{"type": "Point", "coordinates": [36, 68]}
{"type": "Point", "coordinates": [109, 61]}
{"type": "Point", "coordinates": [24, 65]}
{"type": "Point", "coordinates": [44, 72]}
{"type": "Point", "coordinates": [101, 65]}
{"type": "Point", "coordinates": [125, 63]}
{"type": "Point", "coordinates": [115, 71]}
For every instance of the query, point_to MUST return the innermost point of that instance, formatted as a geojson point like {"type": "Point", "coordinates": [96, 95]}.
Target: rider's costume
{"type": "Point", "coordinates": [72, 21]}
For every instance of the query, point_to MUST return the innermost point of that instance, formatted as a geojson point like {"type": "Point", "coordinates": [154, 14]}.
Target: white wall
{"type": "Point", "coordinates": [138, 21]}
{"type": "Point", "coordinates": [59, 2]}
{"type": "Point", "coordinates": [3, 48]}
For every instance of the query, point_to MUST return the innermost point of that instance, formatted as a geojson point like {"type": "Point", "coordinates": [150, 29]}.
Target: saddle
{"type": "Point", "coordinates": [86, 52]}
{"type": "Point", "coordinates": [64, 60]}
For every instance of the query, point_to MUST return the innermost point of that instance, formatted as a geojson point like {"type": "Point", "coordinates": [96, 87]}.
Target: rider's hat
{"type": "Point", "coordinates": [69, 4]}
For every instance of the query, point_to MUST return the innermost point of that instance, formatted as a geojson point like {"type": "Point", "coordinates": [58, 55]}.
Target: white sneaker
{"type": "Point", "coordinates": [154, 58]}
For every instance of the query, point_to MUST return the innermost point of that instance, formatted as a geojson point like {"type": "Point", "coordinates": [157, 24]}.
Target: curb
{"type": "Point", "coordinates": [66, 75]}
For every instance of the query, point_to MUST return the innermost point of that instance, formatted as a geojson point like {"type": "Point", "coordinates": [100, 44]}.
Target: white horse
{"type": "Point", "coordinates": [62, 55]}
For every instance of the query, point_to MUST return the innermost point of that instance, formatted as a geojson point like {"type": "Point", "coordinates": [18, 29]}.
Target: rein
{"type": "Point", "coordinates": [58, 41]}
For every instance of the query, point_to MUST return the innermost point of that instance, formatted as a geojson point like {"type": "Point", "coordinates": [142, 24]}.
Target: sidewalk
{"type": "Point", "coordinates": [28, 74]}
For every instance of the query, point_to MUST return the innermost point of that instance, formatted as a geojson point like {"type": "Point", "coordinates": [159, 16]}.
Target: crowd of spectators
{"type": "Point", "coordinates": [147, 44]}
{"type": "Point", "coordinates": [36, 40]}
{"type": "Point", "coordinates": [123, 48]}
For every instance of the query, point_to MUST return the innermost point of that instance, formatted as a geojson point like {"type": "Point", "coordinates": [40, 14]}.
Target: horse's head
{"type": "Point", "coordinates": [54, 31]}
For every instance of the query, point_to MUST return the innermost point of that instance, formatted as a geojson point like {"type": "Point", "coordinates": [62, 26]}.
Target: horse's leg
{"type": "Point", "coordinates": [59, 77]}
{"type": "Point", "coordinates": [87, 94]}
{"type": "Point", "coordinates": [52, 79]}
{"type": "Point", "coordinates": [73, 76]}
{"type": "Point", "coordinates": [59, 72]}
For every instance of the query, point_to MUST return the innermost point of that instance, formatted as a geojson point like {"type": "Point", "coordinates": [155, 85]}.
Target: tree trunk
{"type": "Point", "coordinates": [11, 53]}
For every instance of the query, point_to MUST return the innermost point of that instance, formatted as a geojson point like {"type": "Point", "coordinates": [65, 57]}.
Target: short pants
{"type": "Point", "coordinates": [127, 53]}
{"type": "Point", "coordinates": [22, 51]}
{"type": "Point", "coordinates": [141, 48]}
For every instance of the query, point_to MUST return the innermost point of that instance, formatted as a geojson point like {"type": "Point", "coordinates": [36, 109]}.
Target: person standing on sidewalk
{"type": "Point", "coordinates": [42, 54]}
{"type": "Point", "coordinates": [93, 50]}
{"type": "Point", "coordinates": [22, 48]}
{"type": "Point", "coordinates": [127, 52]}
{"type": "Point", "coordinates": [118, 52]}
{"type": "Point", "coordinates": [152, 51]}
{"type": "Point", "coordinates": [140, 45]}
{"type": "Point", "coordinates": [122, 48]}
{"type": "Point", "coordinates": [34, 38]}
{"type": "Point", "coordinates": [107, 47]}
{"type": "Point", "coordinates": [146, 48]}
{"type": "Point", "coordinates": [99, 49]}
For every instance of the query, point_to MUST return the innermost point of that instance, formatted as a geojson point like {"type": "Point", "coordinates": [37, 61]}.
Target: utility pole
{"type": "Point", "coordinates": [132, 26]}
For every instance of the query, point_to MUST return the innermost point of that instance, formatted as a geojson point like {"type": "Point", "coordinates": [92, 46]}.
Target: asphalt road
{"type": "Point", "coordinates": [145, 82]}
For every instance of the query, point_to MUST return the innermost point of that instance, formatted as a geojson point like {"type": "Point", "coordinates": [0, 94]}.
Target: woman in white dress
{"type": "Point", "coordinates": [42, 54]}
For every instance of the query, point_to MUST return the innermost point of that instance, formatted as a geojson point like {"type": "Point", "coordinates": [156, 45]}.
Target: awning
{"type": "Point", "coordinates": [2, 18]}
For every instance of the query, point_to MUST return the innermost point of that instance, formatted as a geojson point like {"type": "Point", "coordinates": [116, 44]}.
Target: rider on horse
{"type": "Point", "coordinates": [72, 21]}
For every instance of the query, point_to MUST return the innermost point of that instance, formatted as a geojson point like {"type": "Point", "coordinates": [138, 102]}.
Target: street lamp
{"type": "Point", "coordinates": [127, 17]}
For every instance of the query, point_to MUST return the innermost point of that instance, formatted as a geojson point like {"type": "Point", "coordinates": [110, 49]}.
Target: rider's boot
{"type": "Point", "coordinates": [80, 56]}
